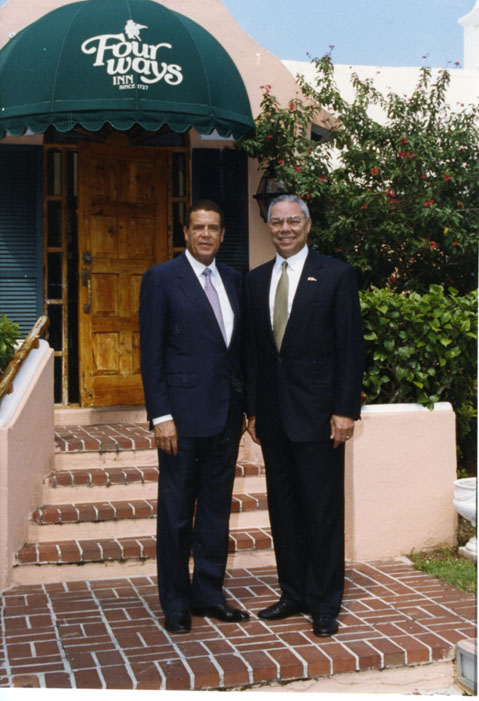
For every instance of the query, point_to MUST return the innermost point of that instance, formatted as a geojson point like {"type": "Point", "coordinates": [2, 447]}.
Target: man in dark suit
{"type": "Point", "coordinates": [305, 375]}
{"type": "Point", "coordinates": [190, 340]}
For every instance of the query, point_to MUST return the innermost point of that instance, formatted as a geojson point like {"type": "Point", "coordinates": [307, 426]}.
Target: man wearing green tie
{"type": "Point", "coordinates": [305, 366]}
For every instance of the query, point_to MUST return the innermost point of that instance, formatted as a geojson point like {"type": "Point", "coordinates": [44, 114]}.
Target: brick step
{"type": "Point", "coordinates": [117, 510]}
{"type": "Point", "coordinates": [132, 518]}
{"type": "Point", "coordinates": [71, 560]}
{"type": "Point", "coordinates": [104, 437]}
{"type": "Point", "coordinates": [83, 551]}
{"type": "Point", "coordinates": [94, 484]}
{"type": "Point", "coordinates": [95, 476]}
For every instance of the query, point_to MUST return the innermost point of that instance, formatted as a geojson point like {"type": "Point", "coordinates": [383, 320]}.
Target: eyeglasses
{"type": "Point", "coordinates": [292, 222]}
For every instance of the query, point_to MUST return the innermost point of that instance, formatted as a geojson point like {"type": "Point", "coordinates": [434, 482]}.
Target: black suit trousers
{"type": "Point", "coordinates": [306, 505]}
{"type": "Point", "coordinates": [194, 503]}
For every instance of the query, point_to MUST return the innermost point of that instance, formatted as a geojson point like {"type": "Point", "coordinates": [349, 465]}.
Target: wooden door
{"type": "Point", "coordinates": [122, 221]}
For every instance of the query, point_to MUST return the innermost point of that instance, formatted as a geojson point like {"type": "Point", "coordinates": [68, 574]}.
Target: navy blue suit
{"type": "Point", "coordinates": [190, 373]}
{"type": "Point", "coordinates": [293, 393]}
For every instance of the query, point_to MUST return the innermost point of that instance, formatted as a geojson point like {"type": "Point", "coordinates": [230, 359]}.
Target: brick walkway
{"type": "Point", "coordinates": [109, 634]}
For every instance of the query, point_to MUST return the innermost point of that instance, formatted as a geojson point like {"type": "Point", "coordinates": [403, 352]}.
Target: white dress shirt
{"type": "Point", "coordinates": [294, 270]}
{"type": "Point", "coordinates": [226, 309]}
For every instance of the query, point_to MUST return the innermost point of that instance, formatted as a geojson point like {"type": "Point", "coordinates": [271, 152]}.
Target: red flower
{"type": "Point", "coordinates": [424, 177]}
{"type": "Point", "coordinates": [433, 244]}
{"type": "Point", "coordinates": [403, 140]}
{"type": "Point", "coordinates": [291, 105]}
{"type": "Point", "coordinates": [428, 203]}
{"type": "Point", "coordinates": [455, 243]}
{"type": "Point", "coordinates": [308, 196]}
{"type": "Point", "coordinates": [280, 161]}
{"type": "Point", "coordinates": [446, 177]}
{"type": "Point", "coordinates": [270, 136]}
{"type": "Point", "coordinates": [364, 206]}
{"type": "Point", "coordinates": [402, 154]}
{"type": "Point", "coordinates": [322, 178]}
{"type": "Point", "coordinates": [460, 204]}
{"type": "Point", "coordinates": [298, 169]}
{"type": "Point", "coordinates": [374, 171]}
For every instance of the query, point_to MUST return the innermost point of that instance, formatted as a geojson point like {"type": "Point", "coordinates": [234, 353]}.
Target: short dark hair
{"type": "Point", "coordinates": [207, 206]}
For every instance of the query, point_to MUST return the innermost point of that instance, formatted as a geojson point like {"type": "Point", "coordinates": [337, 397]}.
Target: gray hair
{"type": "Point", "coordinates": [290, 198]}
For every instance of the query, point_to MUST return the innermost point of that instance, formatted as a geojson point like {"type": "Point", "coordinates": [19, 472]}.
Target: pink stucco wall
{"type": "Point", "coordinates": [26, 454]}
{"type": "Point", "coordinates": [400, 472]}
{"type": "Point", "coordinates": [399, 480]}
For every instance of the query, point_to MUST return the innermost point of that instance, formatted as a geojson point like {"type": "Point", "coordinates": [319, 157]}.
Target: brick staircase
{"type": "Point", "coordinates": [97, 518]}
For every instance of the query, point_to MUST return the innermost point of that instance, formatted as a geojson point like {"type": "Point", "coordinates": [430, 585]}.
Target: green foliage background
{"type": "Point", "coordinates": [399, 201]}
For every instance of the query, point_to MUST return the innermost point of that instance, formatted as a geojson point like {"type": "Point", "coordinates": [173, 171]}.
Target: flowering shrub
{"type": "Point", "coordinates": [400, 200]}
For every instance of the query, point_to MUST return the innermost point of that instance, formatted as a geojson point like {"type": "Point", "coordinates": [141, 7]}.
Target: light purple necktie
{"type": "Point", "coordinates": [214, 300]}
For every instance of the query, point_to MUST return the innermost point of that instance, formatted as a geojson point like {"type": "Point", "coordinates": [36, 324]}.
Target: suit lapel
{"type": "Point", "coordinates": [307, 288]}
{"type": "Point", "coordinates": [189, 284]}
{"type": "Point", "coordinates": [263, 295]}
{"type": "Point", "coordinates": [232, 292]}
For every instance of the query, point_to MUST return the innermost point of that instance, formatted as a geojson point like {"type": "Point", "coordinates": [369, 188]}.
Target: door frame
{"type": "Point", "coordinates": [67, 369]}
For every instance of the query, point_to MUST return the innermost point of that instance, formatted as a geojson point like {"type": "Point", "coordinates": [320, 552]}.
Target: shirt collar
{"type": "Point", "coordinates": [293, 261]}
{"type": "Point", "coordinates": [199, 267]}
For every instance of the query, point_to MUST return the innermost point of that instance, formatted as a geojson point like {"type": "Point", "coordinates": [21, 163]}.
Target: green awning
{"type": "Point", "coordinates": [121, 62]}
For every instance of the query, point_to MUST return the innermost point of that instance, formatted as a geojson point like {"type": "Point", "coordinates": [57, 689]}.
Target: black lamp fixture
{"type": "Point", "coordinates": [269, 188]}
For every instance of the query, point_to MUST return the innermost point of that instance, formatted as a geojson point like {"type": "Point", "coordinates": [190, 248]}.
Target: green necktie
{"type": "Point", "coordinates": [280, 311]}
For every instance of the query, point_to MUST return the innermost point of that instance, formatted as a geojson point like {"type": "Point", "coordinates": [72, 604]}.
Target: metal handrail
{"type": "Point", "coordinates": [31, 341]}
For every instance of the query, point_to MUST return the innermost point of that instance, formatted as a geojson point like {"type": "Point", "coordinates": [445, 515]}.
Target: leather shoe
{"type": "Point", "coordinates": [178, 622]}
{"type": "Point", "coordinates": [324, 626]}
{"type": "Point", "coordinates": [281, 609]}
{"type": "Point", "coordinates": [222, 612]}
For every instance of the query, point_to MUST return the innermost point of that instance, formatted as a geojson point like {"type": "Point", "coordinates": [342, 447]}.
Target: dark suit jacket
{"type": "Point", "coordinates": [318, 371]}
{"type": "Point", "coordinates": [187, 369]}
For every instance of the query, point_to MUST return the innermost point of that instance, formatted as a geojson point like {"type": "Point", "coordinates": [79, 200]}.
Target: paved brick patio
{"type": "Point", "coordinates": [109, 633]}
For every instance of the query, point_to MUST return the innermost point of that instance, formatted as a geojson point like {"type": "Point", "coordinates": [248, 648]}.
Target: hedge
{"type": "Point", "coordinates": [422, 348]}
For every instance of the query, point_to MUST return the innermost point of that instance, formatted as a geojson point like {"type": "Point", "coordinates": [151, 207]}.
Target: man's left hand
{"type": "Point", "coordinates": [342, 429]}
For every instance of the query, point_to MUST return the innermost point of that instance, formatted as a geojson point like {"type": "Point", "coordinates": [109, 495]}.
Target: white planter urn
{"type": "Point", "coordinates": [465, 503]}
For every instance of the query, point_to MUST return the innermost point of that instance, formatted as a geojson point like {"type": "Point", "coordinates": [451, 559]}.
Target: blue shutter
{"type": "Point", "coordinates": [21, 239]}
{"type": "Point", "coordinates": [221, 175]}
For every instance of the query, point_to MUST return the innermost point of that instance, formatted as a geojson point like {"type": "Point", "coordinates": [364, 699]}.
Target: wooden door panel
{"type": "Point", "coordinates": [122, 231]}
{"type": "Point", "coordinates": [104, 237]}
{"type": "Point", "coordinates": [103, 176]}
{"type": "Point", "coordinates": [136, 237]}
{"type": "Point", "coordinates": [106, 353]}
{"type": "Point", "coordinates": [136, 182]}
{"type": "Point", "coordinates": [105, 295]}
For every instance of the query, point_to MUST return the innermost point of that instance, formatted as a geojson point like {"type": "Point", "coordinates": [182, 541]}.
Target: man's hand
{"type": "Point", "coordinates": [342, 429]}
{"type": "Point", "coordinates": [252, 429]}
{"type": "Point", "coordinates": [166, 437]}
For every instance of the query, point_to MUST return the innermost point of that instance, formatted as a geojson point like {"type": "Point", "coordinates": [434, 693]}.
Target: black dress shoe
{"type": "Point", "coordinates": [178, 622]}
{"type": "Point", "coordinates": [324, 626]}
{"type": "Point", "coordinates": [282, 609]}
{"type": "Point", "coordinates": [222, 612]}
